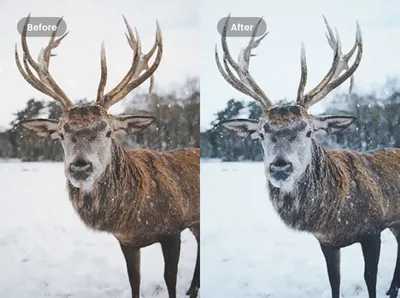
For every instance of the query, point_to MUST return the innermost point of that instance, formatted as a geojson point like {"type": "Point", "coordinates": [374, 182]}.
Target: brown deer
{"type": "Point", "coordinates": [340, 196]}
{"type": "Point", "coordinates": [140, 196]}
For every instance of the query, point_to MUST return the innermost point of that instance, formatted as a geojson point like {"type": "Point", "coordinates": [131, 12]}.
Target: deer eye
{"type": "Point", "coordinates": [108, 134]}
{"type": "Point", "coordinates": [61, 135]}
{"type": "Point", "coordinates": [308, 134]}
{"type": "Point", "coordinates": [261, 136]}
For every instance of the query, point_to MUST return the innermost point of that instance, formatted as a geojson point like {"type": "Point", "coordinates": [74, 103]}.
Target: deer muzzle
{"type": "Point", "coordinates": [280, 169]}
{"type": "Point", "coordinates": [80, 169]}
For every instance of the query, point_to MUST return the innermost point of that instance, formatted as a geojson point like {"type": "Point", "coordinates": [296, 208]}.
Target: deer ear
{"type": "Point", "coordinates": [131, 124]}
{"type": "Point", "coordinates": [43, 128]}
{"type": "Point", "coordinates": [241, 128]}
{"type": "Point", "coordinates": [331, 124]}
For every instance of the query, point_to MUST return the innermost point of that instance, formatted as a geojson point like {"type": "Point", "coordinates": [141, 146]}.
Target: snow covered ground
{"type": "Point", "coordinates": [248, 252]}
{"type": "Point", "coordinates": [46, 251]}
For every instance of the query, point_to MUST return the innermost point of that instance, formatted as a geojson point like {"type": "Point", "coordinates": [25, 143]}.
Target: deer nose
{"type": "Point", "coordinates": [80, 169]}
{"type": "Point", "coordinates": [280, 169]}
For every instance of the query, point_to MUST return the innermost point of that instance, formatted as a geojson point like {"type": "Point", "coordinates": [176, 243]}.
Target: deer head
{"type": "Point", "coordinates": [87, 132]}
{"type": "Point", "coordinates": [287, 132]}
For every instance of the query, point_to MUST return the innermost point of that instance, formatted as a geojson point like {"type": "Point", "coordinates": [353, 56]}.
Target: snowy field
{"type": "Point", "coordinates": [248, 252]}
{"type": "Point", "coordinates": [46, 251]}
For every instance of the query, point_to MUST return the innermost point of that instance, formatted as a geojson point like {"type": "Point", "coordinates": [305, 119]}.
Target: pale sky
{"type": "Point", "coordinates": [77, 65]}
{"type": "Point", "coordinates": [277, 65]}
{"type": "Point", "coordinates": [190, 34]}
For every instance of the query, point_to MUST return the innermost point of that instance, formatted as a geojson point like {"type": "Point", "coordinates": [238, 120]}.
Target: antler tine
{"type": "Point", "coordinates": [53, 43]}
{"type": "Point", "coordinates": [136, 47]}
{"type": "Point", "coordinates": [245, 83]}
{"type": "Point", "coordinates": [25, 47]}
{"type": "Point", "coordinates": [344, 59]}
{"type": "Point", "coordinates": [140, 63]}
{"type": "Point", "coordinates": [30, 77]}
{"type": "Point", "coordinates": [245, 53]}
{"type": "Point", "coordinates": [347, 74]}
{"type": "Point", "coordinates": [144, 63]}
{"type": "Point", "coordinates": [303, 78]}
{"type": "Point", "coordinates": [244, 62]}
{"type": "Point", "coordinates": [103, 76]}
{"type": "Point", "coordinates": [332, 42]}
{"type": "Point", "coordinates": [230, 77]}
{"type": "Point", "coordinates": [44, 64]}
{"type": "Point", "coordinates": [342, 64]}
{"type": "Point", "coordinates": [140, 67]}
{"type": "Point", "coordinates": [147, 58]}
{"type": "Point", "coordinates": [305, 100]}
{"type": "Point", "coordinates": [44, 82]}
{"type": "Point", "coordinates": [330, 36]}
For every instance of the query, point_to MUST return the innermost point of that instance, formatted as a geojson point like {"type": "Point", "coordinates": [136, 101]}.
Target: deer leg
{"type": "Point", "coordinates": [371, 247]}
{"type": "Point", "coordinates": [132, 258]}
{"type": "Point", "coordinates": [332, 258]}
{"type": "Point", "coordinates": [195, 285]}
{"type": "Point", "coordinates": [394, 286]}
{"type": "Point", "coordinates": [171, 247]}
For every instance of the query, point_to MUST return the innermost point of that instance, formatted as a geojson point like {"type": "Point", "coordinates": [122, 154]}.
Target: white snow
{"type": "Point", "coordinates": [248, 252]}
{"type": "Point", "coordinates": [46, 251]}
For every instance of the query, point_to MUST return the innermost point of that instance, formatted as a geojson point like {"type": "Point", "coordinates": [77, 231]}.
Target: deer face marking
{"type": "Point", "coordinates": [86, 134]}
{"type": "Point", "coordinates": [283, 134]}
{"type": "Point", "coordinates": [287, 148]}
{"type": "Point", "coordinates": [286, 135]}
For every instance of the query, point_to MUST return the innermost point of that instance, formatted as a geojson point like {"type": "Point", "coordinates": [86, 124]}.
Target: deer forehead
{"type": "Point", "coordinates": [86, 112]}
{"type": "Point", "coordinates": [287, 116]}
{"type": "Point", "coordinates": [92, 126]}
{"type": "Point", "coordinates": [85, 119]}
{"type": "Point", "coordinates": [285, 128]}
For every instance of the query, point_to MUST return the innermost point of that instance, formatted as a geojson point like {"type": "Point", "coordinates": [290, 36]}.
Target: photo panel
{"type": "Point", "coordinates": [100, 149]}
{"type": "Point", "coordinates": [299, 100]}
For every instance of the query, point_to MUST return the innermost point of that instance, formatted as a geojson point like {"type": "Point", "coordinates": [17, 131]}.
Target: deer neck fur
{"type": "Point", "coordinates": [103, 207]}
{"type": "Point", "coordinates": [338, 198]}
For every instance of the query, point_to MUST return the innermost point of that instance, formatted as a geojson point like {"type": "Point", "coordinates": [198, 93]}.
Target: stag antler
{"type": "Point", "coordinates": [245, 83]}
{"type": "Point", "coordinates": [134, 77]}
{"type": "Point", "coordinates": [43, 82]}
{"type": "Point", "coordinates": [333, 78]}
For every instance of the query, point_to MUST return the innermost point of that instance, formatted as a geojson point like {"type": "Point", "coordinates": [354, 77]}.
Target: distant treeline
{"type": "Point", "coordinates": [377, 126]}
{"type": "Point", "coordinates": [177, 124]}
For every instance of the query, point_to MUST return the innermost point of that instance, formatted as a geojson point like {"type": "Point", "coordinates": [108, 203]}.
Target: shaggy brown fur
{"type": "Point", "coordinates": [355, 194]}
{"type": "Point", "coordinates": [342, 197]}
{"type": "Point", "coordinates": [345, 197]}
{"type": "Point", "coordinates": [143, 195]}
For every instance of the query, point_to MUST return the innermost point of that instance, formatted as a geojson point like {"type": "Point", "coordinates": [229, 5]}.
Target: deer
{"type": "Point", "coordinates": [340, 196]}
{"type": "Point", "coordinates": [139, 196]}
